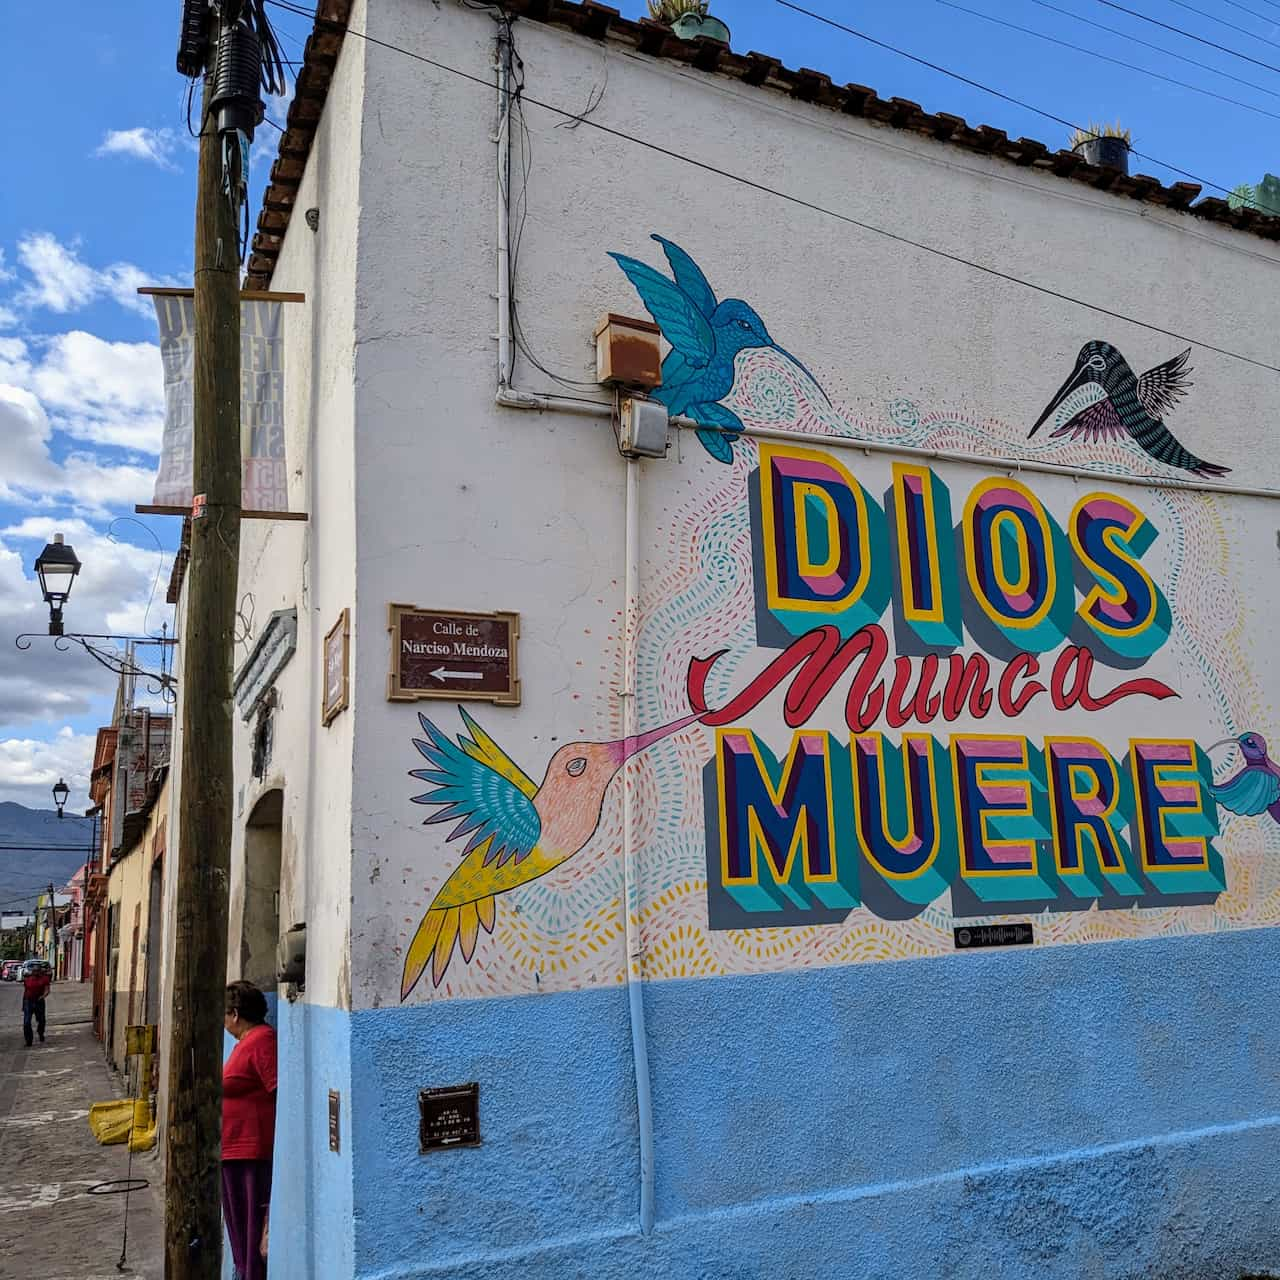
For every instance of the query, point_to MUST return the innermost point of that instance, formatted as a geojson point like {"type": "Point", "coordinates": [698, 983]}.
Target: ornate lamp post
{"type": "Point", "coordinates": [60, 793]}
{"type": "Point", "coordinates": [56, 567]}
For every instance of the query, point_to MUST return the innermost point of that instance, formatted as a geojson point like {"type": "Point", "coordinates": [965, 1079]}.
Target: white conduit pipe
{"type": "Point", "coordinates": [630, 876]}
{"type": "Point", "coordinates": [513, 399]}
{"type": "Point", "coordinates": [502, 137]}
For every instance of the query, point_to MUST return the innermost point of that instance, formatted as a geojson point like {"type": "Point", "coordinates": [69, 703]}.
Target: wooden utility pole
{"type": "Point", "coordinates": [193, 1217]}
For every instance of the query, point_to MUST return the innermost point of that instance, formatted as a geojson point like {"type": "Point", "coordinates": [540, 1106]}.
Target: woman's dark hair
{"type": "Point", "coordinates": [246, 1000]}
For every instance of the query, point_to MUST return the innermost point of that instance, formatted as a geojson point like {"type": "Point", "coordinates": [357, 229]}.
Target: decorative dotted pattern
{"type": "Point", "coordinates": [565, 931]}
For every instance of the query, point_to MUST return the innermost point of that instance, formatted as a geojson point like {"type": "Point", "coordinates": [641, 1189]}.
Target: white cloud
{"type": "Point", "coordinates": [104, 392]}
{"type": "Point", "coordinates": [30, 766]}
{"type": "Point", "coordinates": [59, 281]}
{"type": "Point", "coordinates": [29, 473]}
{"type": "Point", "coordinates": [155, 146]}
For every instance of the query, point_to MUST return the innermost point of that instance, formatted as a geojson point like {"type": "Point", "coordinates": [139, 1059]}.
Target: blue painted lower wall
{"type": "Point", "coordinates": [311, 1187]}
{"type": "Point", "coordinates": [1105, 1110]}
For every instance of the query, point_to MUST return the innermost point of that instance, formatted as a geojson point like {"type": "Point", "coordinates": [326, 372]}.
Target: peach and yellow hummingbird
{"type": "Point", "coordinates": [517, 830]}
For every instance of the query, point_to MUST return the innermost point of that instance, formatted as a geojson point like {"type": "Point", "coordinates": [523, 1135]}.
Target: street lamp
{"type": "Point", "coordinates": [60, 793]}
{"type": "Point", "coordinates": [56, 567]}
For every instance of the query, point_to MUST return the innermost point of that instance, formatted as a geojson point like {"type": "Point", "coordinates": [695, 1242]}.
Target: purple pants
{"type": "Point", "coordinates": [246, 1194]}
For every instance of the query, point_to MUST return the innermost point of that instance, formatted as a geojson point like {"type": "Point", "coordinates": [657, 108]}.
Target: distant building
{"type": "Point", "coordinates": [130, 759]}
{"type": "Point", "coordinates": [134, 907]}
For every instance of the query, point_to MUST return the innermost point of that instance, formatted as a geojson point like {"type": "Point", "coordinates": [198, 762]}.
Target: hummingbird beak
{"type": "Point", "coordinates": [634, 745]}
{"type": "Point", "coordinates": [1225, 742]}
{"type": "Point", "coordinates": [784, 352]}
{"type": "Point", "coordinates": [1062, 393]}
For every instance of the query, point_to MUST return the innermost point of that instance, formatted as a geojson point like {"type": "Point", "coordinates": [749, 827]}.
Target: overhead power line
{"type": "Point", "coordinates": [995, 93]}
{"type": "Point", "coordinates": [1155, 22]}
{"type": "Point", "coordinates": [1102, 57]}
{"type": "Point", "coordinates": [1253, 13]}
{"type": "Point", "coordinates": [799, 201]}
{"type": "Point", "coordinates": [1213, 17]}
{"type": "Point", "coordinates": [1146, 44]}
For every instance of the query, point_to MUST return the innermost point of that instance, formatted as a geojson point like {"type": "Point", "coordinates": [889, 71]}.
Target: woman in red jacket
{"type": "Point", "coordinates": [248, 1128]}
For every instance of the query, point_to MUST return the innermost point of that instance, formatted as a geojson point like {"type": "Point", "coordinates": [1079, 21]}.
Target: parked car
{"type": "Point", "coordinates": [9, 970]}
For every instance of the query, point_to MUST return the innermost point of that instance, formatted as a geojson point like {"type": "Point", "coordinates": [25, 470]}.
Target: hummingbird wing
{"type": "Point", "coordinates": [1162, 387]}
{"type": "Point", "coordinates": [676, 314]}
{"type": "Point", "coordinates": [688, 276]}
{"type": "Point", "coordinates": [1250, 791]}
{"type": "Point", "coordinates": [477, 785]}
{"type": "Point", "coordinates": [1099, 421]}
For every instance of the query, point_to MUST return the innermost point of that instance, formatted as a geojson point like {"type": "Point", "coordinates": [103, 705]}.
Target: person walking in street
{"type": "Point", "coordinates": [248, 1128]}
{"type": "Point", "coordinates": [35, 986]}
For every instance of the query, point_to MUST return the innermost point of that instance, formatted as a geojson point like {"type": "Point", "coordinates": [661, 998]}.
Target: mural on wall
{"type": "Point", "coordinates": [516, 829]}
{"type": "Point", "coordinates": [897, 697]}
{"type": "Point", "coordinates": [1104, 399]}
{"type": "Point", "coordinates": [706, 337]}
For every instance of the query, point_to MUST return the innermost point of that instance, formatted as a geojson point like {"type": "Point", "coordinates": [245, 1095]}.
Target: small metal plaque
{"type": "Point", "coordinates": [994, 935]}
{"type": "Point", "coordinates": [437, 653]}
{"type": "Point", "coordinates": [335, 1126]}
{"type": "Point", "coordinates": [449, 1117]}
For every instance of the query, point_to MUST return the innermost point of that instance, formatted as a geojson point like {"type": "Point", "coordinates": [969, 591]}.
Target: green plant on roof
{"type": "Point", "coordinates": [670, 11]}
{"type": "Point", "coordinates": [1263, 198]}
{"type": "Point", "coordinates": [1094, 130]}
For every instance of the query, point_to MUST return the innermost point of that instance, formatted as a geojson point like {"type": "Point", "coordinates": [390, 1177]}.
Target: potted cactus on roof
{"type": "Point", "coordinates": [688, 19]}
{"type": "Point", "coordinates": [1104, 144]}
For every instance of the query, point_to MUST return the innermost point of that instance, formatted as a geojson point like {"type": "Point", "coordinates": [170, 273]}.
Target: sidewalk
{"type": "Point", "coordinates": [51, 1228]}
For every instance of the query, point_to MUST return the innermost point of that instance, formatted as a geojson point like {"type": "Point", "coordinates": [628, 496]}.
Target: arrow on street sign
{"type": "Point", "coordinates": [443, 673]}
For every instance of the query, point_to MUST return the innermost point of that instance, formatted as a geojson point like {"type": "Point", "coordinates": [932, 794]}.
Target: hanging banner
{"type": "Point", "coordinates": [265, 485]}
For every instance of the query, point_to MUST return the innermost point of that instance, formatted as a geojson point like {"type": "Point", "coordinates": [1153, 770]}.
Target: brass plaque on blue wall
{"type": "Point", "coordinates": [449, 1117]}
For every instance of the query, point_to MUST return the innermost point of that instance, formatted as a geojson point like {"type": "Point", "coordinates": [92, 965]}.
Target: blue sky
{"type": "Point", "coordinates": [97, 198]}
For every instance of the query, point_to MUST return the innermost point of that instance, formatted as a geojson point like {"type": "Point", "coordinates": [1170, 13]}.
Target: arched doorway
{"type": "Point", "coordinates": [260, 931]}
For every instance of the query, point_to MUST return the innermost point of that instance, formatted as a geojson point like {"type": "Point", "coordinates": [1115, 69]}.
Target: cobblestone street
{"type": "Point", "coordinates": [51, 1226]}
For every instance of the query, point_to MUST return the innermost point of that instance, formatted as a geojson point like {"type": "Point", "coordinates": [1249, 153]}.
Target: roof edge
{"type": "Point", "coordinates": [598, 22]}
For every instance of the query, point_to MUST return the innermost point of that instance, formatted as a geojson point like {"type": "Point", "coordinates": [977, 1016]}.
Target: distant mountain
{"type": "Point", "coordinates": [26, 871]}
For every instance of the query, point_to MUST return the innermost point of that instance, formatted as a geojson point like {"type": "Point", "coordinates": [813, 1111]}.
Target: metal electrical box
{"type": "Point", "coordinates": [642, 428]}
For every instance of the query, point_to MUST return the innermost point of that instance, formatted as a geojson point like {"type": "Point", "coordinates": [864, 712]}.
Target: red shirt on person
{"type": "Point", "coordinates": [249, 1096]}
{"type": "Point", "coordinates": [35, 986]}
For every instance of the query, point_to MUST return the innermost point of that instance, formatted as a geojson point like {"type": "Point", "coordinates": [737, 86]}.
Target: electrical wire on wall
{"type": "Point", "coordinates": [802, 202]}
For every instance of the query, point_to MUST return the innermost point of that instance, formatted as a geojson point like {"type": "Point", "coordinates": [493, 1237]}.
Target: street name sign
{"type": "Point", "coordinates": [437, 653]}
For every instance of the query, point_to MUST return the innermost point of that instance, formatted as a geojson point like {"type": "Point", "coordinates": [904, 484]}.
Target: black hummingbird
{"type": "Point", "coordinates": [1124, 404]}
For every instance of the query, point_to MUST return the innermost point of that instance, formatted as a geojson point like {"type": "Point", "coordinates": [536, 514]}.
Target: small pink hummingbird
{"type": "Point", "coordinates": [1257, 786]}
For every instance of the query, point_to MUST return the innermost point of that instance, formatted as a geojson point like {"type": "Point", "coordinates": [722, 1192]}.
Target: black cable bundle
{"type": "Point", "coordinates": [273, 81]}
{"type": "Point", "coordinates": [193, 37]}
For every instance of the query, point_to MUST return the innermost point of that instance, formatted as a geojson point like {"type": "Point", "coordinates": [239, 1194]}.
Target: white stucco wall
{"type": "Point", "coordinates": [310, 566]}
{"type": "Point", "coordinates": [466, 505]}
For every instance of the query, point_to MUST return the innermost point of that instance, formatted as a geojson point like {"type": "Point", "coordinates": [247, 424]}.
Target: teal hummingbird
{"type": "Point", "coordinates": [706, 337]}
{"type": "Point", "coordinates": [1107, 400]}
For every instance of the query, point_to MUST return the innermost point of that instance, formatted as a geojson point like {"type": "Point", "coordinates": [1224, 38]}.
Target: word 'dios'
{"type": "Point", "coordinates": [1004, 823]}
{"type": "Point", "coordinates": [827, 557]}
